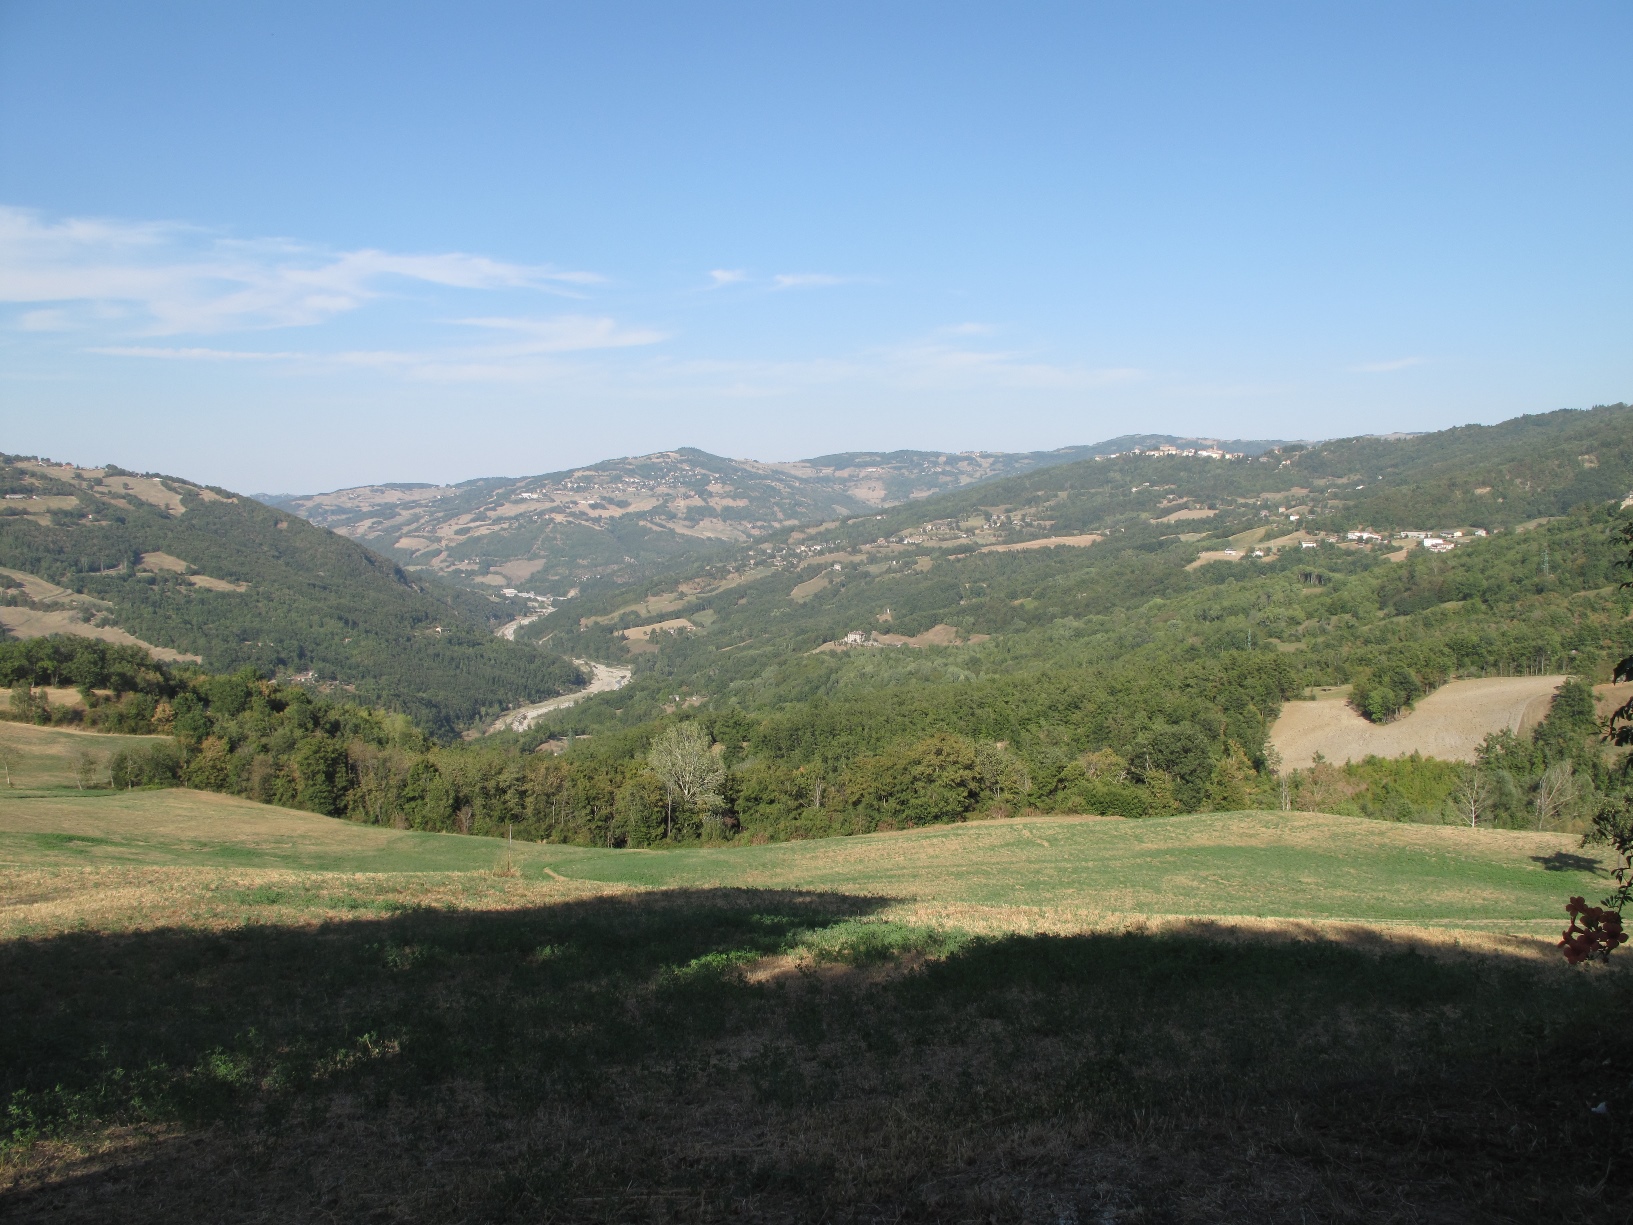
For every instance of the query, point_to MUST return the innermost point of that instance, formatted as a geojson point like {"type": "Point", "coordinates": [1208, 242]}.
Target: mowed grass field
{"type": "Point", "coordinates": [217, 1010]}
{"type": "Point", "coordinates": [1054, 874]}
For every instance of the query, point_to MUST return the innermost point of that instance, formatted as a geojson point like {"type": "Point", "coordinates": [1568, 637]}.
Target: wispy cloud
{"type": "Point", "coordinates": [526, 358]}
{"type": "Point", "coordinates": [1399, 363]}
{"type": "Point", "coordinates": [196, 354]}
{"type": "Point", "coordinates": [938, 363]}
{"type": "Point", "coordinates": [808, 280]}
{"type": "Point", "coordinates": [931, 364]}
{"type": "Point", "coordinates": [46, 321]}
{"type": "Point", "coordinates": [165, 293]}
{"type": "Point", "coordinates": [168, 279]}
{"type": "Point", "coordinates": [570, 333]}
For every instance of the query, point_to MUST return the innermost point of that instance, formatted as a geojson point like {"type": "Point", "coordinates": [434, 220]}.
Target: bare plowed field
{"type": "Point", "coordinates": [1449, 724]}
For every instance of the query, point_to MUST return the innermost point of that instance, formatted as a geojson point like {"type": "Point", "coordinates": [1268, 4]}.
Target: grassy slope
{"type": "Point", "coordinates": [222, 1011]}
{"type": "Point", "coordinates": [45, 755]}
{"type": "Point", "coordinates": [1066, 872]}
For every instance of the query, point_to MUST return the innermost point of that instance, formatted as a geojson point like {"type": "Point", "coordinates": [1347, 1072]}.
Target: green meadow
{"type": "Point", "coordinates": [218, 1010]}
{"type": "Point", "coordinates": [1222, 865]}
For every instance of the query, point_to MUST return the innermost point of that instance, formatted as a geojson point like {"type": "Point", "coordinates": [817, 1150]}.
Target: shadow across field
{"type": "Point", "coordinates": [619, 1058]}
{"type": "Point", "coordinates": [1565, 861]}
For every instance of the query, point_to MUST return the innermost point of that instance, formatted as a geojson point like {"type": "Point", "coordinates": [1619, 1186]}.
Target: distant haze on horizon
{"type": "Point", "coordinates": [301, 247]}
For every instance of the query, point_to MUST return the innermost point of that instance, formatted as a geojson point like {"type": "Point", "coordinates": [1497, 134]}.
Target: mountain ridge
{"type": "Point", "coordinates": [620, 518]}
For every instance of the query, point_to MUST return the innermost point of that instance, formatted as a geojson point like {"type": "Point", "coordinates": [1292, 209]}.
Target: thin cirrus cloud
{"type": "Point", "coordinates": [809, 280]}
{"type": "Point", "coordinates": [719, 277]}
{"type": "Point", "coordinates": [1399, 363]}
{"type": "Point", "coordinates": [940, 364]}
{"type": "Point", "coordinates": [507, 361]}
{"type": "Point", "coordinates": [930, 364]}
{"type": "Point", "coordinates": [160, 278]}
{"type": "Point", "coordinates": [570, 333]}
{"type": "Point", "coordinates": [197, 354]}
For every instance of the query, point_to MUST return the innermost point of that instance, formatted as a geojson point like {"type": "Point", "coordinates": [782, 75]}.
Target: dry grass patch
{"type": "Point", "coordinates": [1448, 724]}
{"type": "Point", "coordinates": [41, 623]}
{"type": "Point", "coordinates": [1048, 542]}
{"type": "Point", "coordinates": [46, 756]}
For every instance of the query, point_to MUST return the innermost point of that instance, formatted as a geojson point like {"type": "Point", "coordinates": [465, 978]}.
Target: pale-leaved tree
{"type": "Point", "coordinates": [683, 759]}
{"type": "Point", "coordinates": [1472, 795]}
{"type": "Point", "coordinates": [1555, 789]}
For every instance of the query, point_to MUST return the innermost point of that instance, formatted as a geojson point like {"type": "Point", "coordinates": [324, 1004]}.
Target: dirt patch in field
{"type": "Point", "coordinates": [1048, 542]}
{"type": "Point", "coordinates": [1610, 698]}
{"type": "Point", "coordinates": [640, 633]}
{"type": "Point", "coordinates": [61, 696]}
{"type": "Point", "coordinates": [216, 584]}
{"type": "Point", "coordinates": [522, 570]}
{"type": "Point", "coordinates": [148, 490]}
{"type": "Point", "coordinates": [164, 563]}
{"type": "Point", "coordinates": [37, 623]}
{"type": "Point", "coordinates": [804, 591]}
{"type": "Point", "coordinates": [35, 587]}
{"type": "Point", "coordinates": [935, 636]}
{"type": "Point", "coordinates": [1194, 512]}
{"type": "Point", "coordinates": [1448, 724]}
{"type": "Point", "coordinates": [1210, 555]}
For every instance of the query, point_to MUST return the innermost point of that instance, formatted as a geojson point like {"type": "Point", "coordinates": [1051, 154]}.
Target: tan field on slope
{"type": "Point", "coordinates": [1048, 542]}
{"type": "Point", "coordinates": [40, 623]}
{"type": "Point", "coordinates": [1449, 724]}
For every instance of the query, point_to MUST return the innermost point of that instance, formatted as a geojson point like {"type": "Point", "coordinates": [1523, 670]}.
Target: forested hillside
{"type": "Point", "coordinates": [207, 573]}
{"type": "Point", "coordinates": [1158, 555]}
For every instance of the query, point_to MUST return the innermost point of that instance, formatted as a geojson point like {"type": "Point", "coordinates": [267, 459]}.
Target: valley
{"type": "Point", "coordinates": [998, 809]}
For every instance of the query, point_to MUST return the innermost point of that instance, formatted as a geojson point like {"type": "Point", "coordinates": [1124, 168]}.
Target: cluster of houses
{"type": "Point", "coordinates": [1168, 448]}
{"type": "Point", "coordinates": [1435, 542]}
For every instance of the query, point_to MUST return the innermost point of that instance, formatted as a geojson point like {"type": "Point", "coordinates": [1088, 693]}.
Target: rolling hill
{"type": "Point", "coordinates": [201, 573]}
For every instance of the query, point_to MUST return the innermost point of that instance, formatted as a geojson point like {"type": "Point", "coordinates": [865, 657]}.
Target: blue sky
{"type": "Point", "coordinates": [299, 246]}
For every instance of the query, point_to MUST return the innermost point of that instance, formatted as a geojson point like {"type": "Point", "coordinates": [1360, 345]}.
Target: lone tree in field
{"type": "Point", "coordinates": [683, 760]}
{"type": "Point", "coordinates": [8, 758]}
